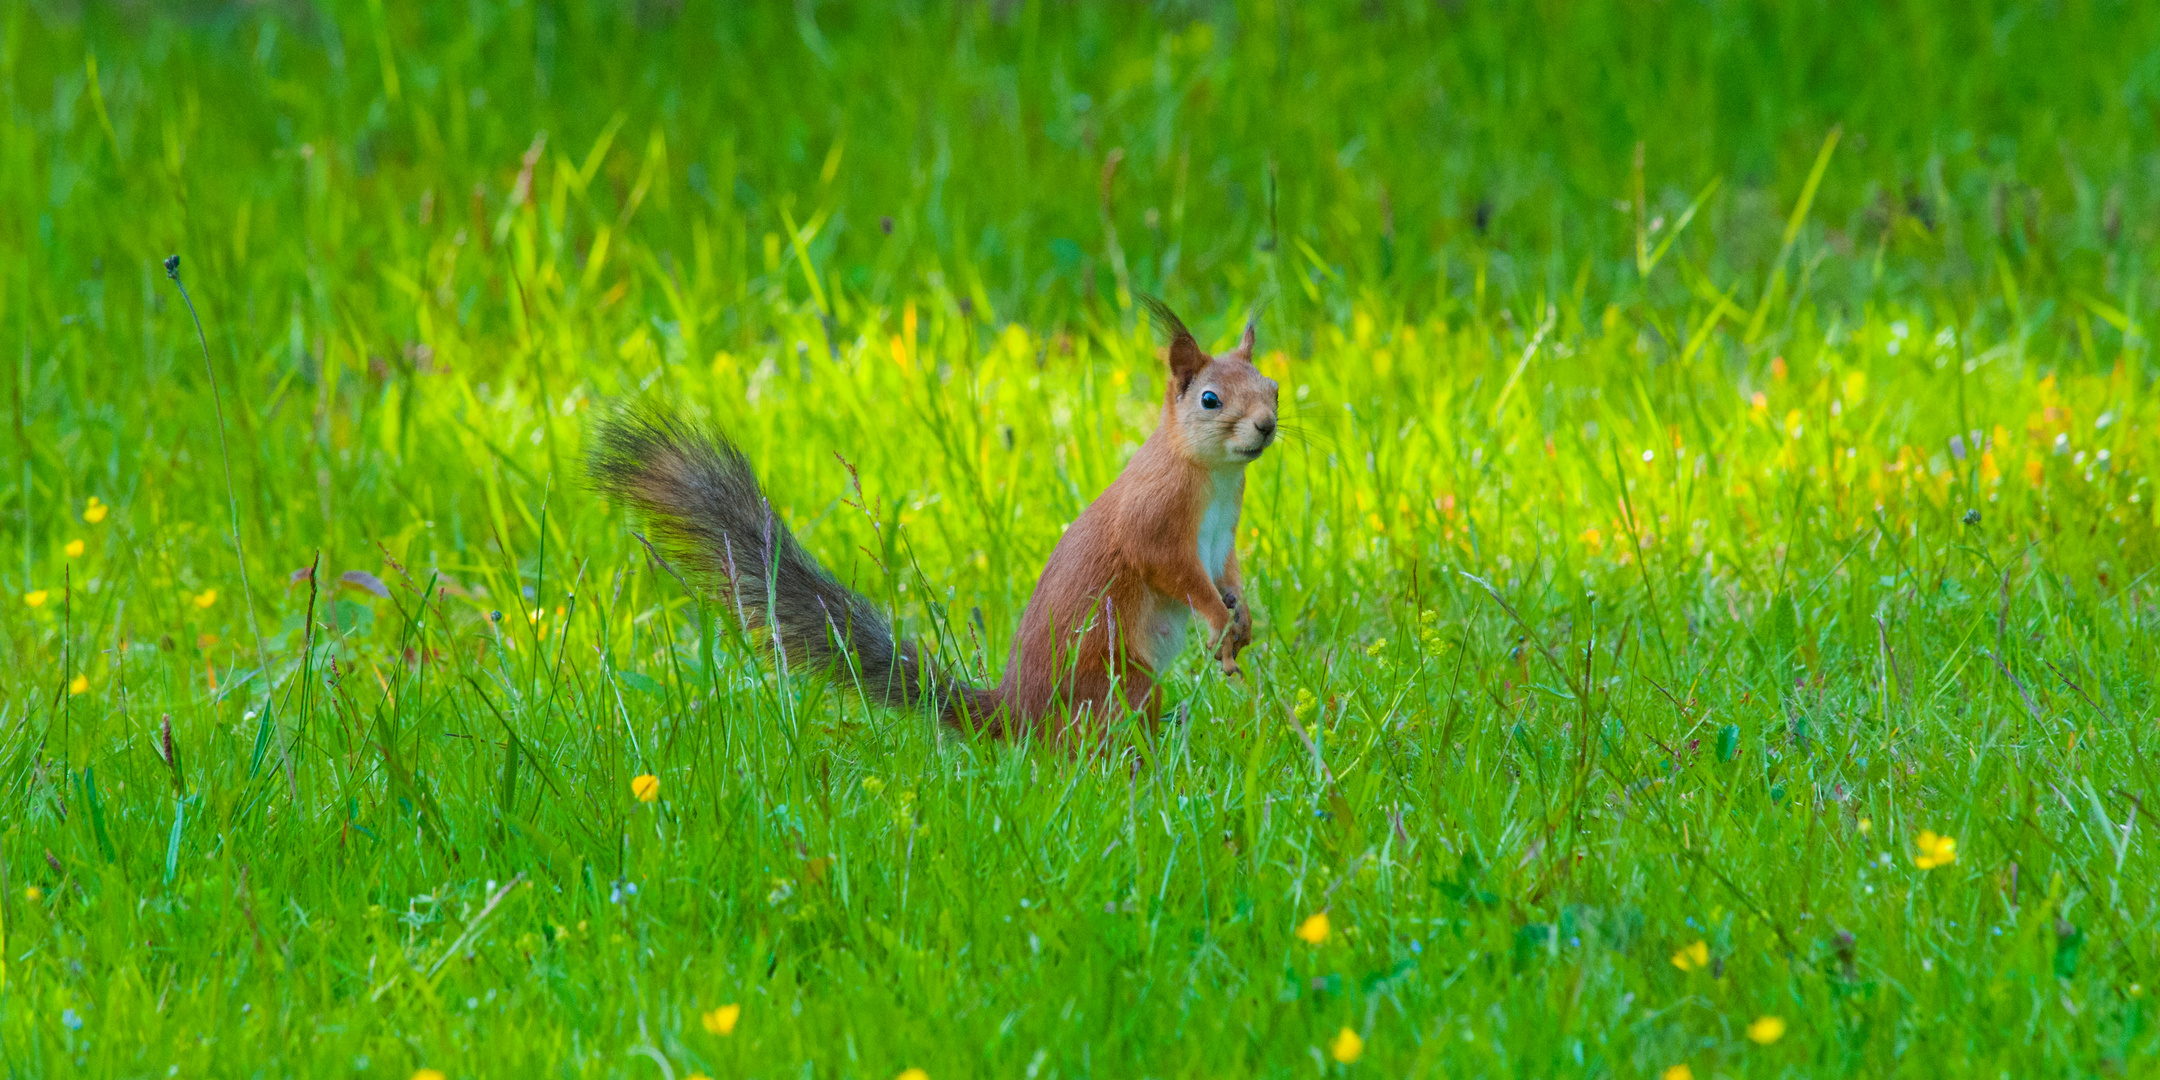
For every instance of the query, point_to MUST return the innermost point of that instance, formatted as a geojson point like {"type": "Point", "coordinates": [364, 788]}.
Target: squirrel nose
{"type": "Point", "coordinates": [1266, 427]}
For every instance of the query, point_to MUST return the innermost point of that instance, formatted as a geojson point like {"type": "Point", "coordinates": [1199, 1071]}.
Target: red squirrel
{"type": "Point", "coordinates": [1107, 617]}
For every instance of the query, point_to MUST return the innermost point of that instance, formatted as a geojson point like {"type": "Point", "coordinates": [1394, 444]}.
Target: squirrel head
{"type": "Point", "coordinates": [1220, 407]}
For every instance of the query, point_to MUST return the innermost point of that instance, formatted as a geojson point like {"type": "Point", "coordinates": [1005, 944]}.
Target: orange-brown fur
{"type": "Point", "coordinates": [1107, 613]}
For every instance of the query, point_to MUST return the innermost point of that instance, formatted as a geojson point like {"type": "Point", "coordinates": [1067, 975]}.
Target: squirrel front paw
{"type": "Point", "coordinates": [1226, 650]}
{"type": "Point", "coordinates": [1240, 628]}
{"type": "Point", "coordinates": [1234, 634]}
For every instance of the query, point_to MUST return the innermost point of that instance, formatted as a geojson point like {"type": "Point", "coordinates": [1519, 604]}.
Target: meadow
{"type": "Point", "coordinates": [1706, 619]}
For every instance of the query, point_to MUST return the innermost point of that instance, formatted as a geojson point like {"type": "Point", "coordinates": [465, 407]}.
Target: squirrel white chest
{"type": "Point", "coordinates": [1218, 525]}
{"type": "Point", "coordinates": [1218, 533]}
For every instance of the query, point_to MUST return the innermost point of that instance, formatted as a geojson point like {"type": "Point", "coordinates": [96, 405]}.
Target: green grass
{"type": "Point", "coordinates": [1631, 579]}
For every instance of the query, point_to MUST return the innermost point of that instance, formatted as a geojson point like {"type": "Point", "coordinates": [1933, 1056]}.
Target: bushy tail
{"type": "Point", "coordinates": [706, 512]}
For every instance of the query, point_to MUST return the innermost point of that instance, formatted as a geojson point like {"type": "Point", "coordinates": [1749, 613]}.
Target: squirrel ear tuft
{"type": "Point", "coordinates": [1185, 356]}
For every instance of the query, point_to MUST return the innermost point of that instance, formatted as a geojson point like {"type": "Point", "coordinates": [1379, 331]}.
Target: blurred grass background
{"type": "Point", "coordinates": [1722, 444]}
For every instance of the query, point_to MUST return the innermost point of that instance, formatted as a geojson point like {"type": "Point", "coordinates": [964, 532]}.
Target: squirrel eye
{"type": "Point", "coordinates": [1208, 400]}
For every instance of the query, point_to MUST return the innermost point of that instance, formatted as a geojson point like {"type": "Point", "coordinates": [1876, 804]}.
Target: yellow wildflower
{"type": "Point", "coordinates": [205, 598]}
{"type": "Point", "coordinates": [1693, 956]}
{"type": "Point", "coordinates": [427, 1074]}
{"type": "Point", "coordinates": [79, 685]}
{"type": "Point", "coordinates": [37, 598]}
{"type": "Point", "coordinates": [33, 894]}
{"type": "Point", "coordinates": [1678, 1072]}
{"type": "Point", "coordinates": [74, 549]}
{"type": "Point", "coordinates": [1934, 850]}
{"type": "Point", "coordinates": [1766, 1029]}
{"type": "Point", "coordinates": [697, 1076]}
{"type": "Point", "coordinates": [1376, 648]}
{"type": "Point", "coordinates": [721, 1021]}
{"type": "Point", "coordinates": [912, 1073]}
{"type": "Point", "coordinates": [1314, 930]}
{"type": "Point", "coordinates": [1346, 1046]}
{"type": "Point", "coordinates": [646, 788]}
{"type": "Point", "coordinates": [93, 511]}
{"type": "Point", "coordinates": [1867, 825]}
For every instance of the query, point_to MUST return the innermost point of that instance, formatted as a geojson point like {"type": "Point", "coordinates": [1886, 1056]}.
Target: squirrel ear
{"type": "Point", "coordinates": [1244, 348]}
{"type": "Point", "coordinates": [1186, 359]}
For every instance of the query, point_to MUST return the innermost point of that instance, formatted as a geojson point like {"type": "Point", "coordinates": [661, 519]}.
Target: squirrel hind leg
{"type": "Point", "coordinates": [975, 710]}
